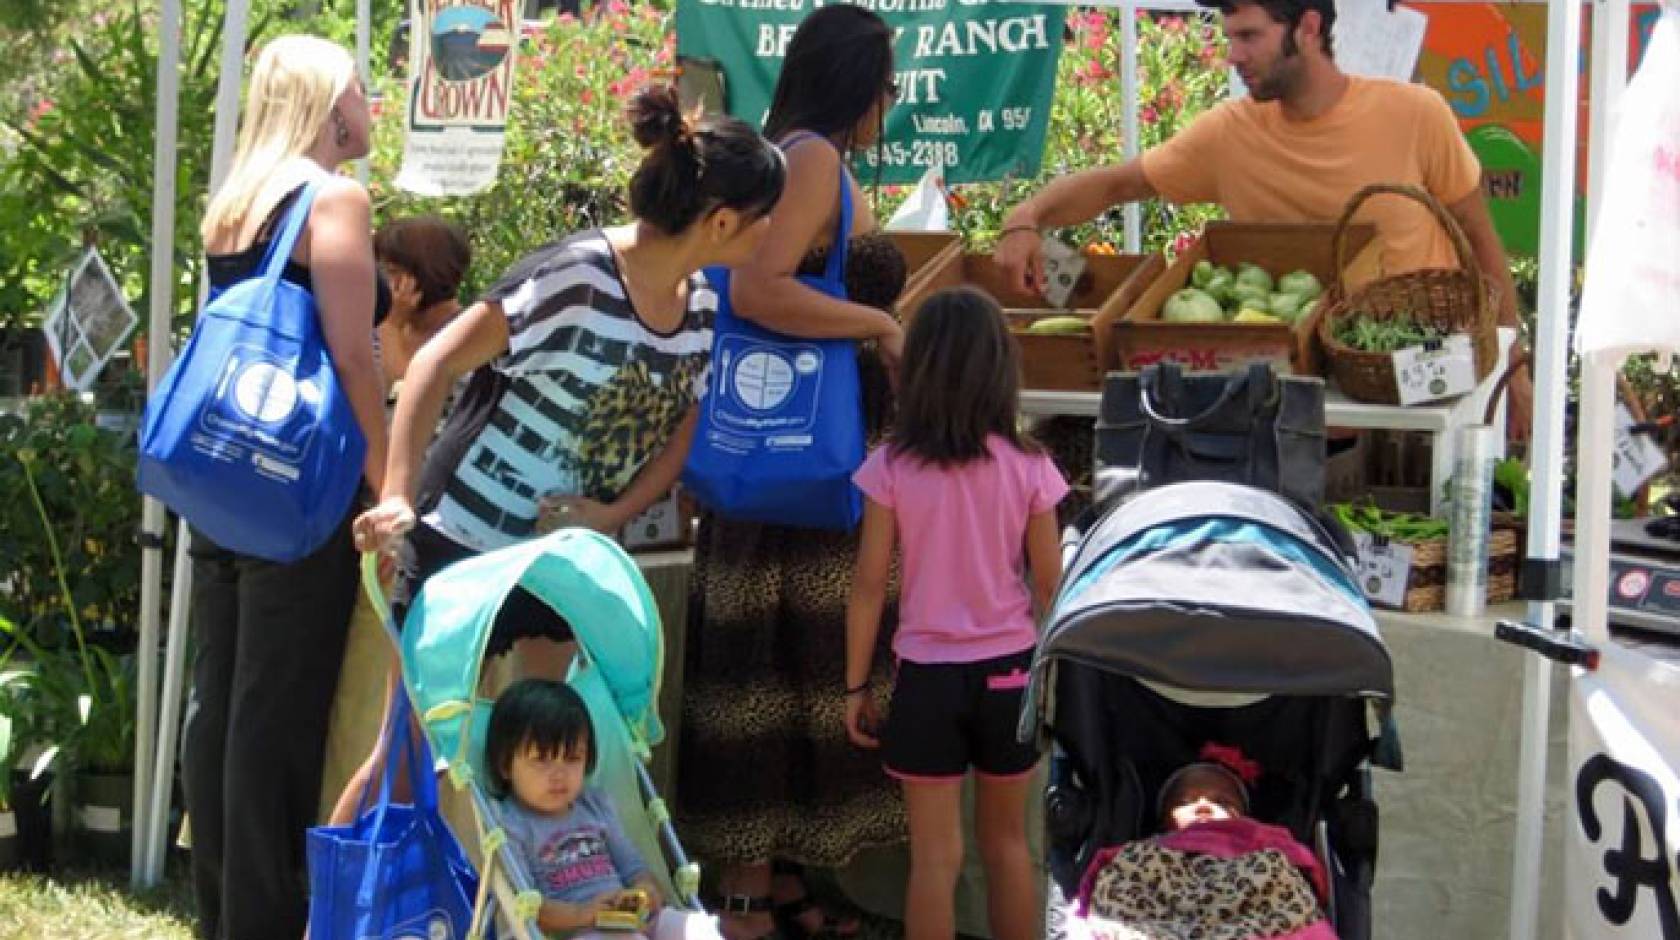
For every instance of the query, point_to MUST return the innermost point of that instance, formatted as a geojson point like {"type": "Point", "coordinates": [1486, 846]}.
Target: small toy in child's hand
{"type": "Point", "coordinates": [628, 911]}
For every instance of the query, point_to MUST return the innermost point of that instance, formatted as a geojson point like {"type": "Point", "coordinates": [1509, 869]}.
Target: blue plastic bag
{"type": "Point", "coordinates": [781, 427]}
{"type": "Point", "coordinates": [396, 872]}
{"type": "Point", "coordinates": [249, 435]}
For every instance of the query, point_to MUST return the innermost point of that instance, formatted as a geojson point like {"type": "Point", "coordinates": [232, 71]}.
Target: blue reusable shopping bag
{"type": "Point", "coordinates": [249, 435]}
{"type": "Point", "coordinates": [397, 872]}
{"type": "Point", "coordinates": [781, 427]}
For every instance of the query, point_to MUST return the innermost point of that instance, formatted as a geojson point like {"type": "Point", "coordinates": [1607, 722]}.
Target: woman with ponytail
{"type": "Point", "coordinates": [589, 358]}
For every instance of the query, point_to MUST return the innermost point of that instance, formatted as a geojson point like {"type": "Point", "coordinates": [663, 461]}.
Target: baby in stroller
{"type": "Point", "coordinates": [1212, 871]}
{"type": "Point", "coordinates": [540, 746]}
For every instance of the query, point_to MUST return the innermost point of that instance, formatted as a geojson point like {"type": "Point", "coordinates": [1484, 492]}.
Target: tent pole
{"type": "Point", "coordinates": [151, 854]}
{"type": "Point", "coordinates": [1130, 138]}
{"type": "Point", "coordinates": [162, 292]}
{"type": "Point", "coordinates": [1563, 56]}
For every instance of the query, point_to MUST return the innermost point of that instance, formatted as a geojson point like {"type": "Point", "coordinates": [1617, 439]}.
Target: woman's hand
{"type": "Point", "coordinates": [378, 529]}
{"type": "Point", "coordinates": [556, 511]}
{"type": "Point", "coordinates": [891, 346]}
{"type": "Point", "coordinates": [863, 720]}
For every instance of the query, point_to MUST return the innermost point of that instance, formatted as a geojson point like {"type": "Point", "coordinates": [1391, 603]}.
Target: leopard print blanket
{"type": "Point", "coordinates": [1146, 891]}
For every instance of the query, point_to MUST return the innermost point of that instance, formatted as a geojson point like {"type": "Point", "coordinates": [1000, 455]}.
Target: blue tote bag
{"type": "Point", "coordinates": [396, 872]}
{"type": "Point", "coordinates": [781, 427]}
{"type": "Point", "coordinates": [249, 436]}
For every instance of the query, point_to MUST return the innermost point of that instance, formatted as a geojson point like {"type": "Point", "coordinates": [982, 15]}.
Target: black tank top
{"type": "Point", "coordinates": [232, 267]}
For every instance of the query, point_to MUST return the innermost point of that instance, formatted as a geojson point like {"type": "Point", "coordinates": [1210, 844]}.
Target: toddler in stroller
{"type": "Point", "coordinates": [539, 748]}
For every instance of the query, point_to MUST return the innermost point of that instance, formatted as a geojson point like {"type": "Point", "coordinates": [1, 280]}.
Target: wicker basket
{"type": "Point", "coordinates": [1426, 589]}
{"type": "Point", "coordinates": [1455, 301]}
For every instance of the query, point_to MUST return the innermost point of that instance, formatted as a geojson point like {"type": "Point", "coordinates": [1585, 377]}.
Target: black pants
{"type": "Point", "coordinates": [270, 641]}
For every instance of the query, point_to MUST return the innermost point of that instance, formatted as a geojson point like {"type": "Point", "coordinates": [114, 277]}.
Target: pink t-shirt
{"type": "Point", "coordinates": [962, 534]}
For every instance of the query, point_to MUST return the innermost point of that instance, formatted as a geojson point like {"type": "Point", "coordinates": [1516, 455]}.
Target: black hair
{"type": "Point", "coordinates": [1289, 13]}
{"type": "Point", "coordinates": [960, 380]}
{"type": "Point", "coordinates": [691, 168]}
{"type": "Point", "coordinates": [838, 65]}
{"type": "Point", "coordinates": [541, 713]}
{"type": "Point", "coordinates": [433, 250]}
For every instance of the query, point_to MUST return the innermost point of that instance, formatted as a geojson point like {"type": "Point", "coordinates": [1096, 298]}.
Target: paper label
{"type": "Point", "coordinates": [8, 824]}
{"type": "Point", "coordinates": [659, 524]}
{"type": "Point", "coordinates": [1385, 568]}
{"type": "Point", "coordinates": [1062, 269]}
{"type": "Point", "coordinates": [1433, 372]}
{"type": "Point", "coordinates": [100, 818]}
{"type": "Point", "coordinates": [1637, 457]}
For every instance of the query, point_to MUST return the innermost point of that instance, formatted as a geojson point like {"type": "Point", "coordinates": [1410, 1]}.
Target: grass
{"type": "Point", "coordinates": [93, 905]}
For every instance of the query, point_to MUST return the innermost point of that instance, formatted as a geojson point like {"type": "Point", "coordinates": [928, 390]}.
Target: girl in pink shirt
{"type": "Point", "coordinates": [970, 501]}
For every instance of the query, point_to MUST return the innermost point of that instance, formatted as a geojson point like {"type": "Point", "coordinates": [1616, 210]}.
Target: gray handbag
{"type": "Point", "coordinates": [1249, 426]}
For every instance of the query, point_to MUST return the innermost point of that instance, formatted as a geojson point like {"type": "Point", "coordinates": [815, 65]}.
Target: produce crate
{"type": "Point", "coordinates": [922, 251]}
{"type": "Point", "coordinates": [1142, 338]}
{"type": "Point", "coordinates": [1057, 362]}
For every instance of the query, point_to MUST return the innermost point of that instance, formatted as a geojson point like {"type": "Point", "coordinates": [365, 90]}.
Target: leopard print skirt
{"type": "Point", "coordinates": [764, 766]}
{"type": "Point", "coordinates": [1148, 892]}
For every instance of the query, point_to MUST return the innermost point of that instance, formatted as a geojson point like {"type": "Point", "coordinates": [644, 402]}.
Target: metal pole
{"type": "Point", "coordinates": [1609, 64]}
{"type": "Point", "coordinates": [164, 153]}
{"type": "Point", "coordinates": [1129, 136]}
{"type": "Point", "coordinates": [364, 18]}
{"type": "Point", "coordinates": [151, 854]}
{"type": "Point", "coordinates": [1557, 215]}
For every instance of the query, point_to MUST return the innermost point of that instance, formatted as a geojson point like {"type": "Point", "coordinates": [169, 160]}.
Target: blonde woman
{"type": "Point", "coordinates": [271, 636]}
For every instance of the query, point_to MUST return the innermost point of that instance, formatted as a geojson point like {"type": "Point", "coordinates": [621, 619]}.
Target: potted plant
{"type": "Point", "coordinates": [68, 514]}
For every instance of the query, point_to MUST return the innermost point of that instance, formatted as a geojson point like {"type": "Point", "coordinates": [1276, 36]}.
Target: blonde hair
{"type": "Point", "coordinates": [294, 86]}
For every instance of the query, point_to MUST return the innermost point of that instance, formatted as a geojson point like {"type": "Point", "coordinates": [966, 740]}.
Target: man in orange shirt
{"type": "Point", "coordinates": [1307, 137]}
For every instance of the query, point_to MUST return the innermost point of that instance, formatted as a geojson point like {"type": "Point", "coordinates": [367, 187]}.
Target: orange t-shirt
{"type": "Point", "coordinates": [1246, 156]}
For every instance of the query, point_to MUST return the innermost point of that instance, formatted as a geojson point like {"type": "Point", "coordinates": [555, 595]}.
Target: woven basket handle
{"type": "Point", "coordinates": [1461, 244]}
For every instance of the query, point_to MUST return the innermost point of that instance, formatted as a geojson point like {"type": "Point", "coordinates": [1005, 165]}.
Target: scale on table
{"type": "Point", "coordinates": [1644, 578]}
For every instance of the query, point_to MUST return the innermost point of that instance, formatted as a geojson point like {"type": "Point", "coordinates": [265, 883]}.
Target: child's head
{"type": "Point", "coordinates": [1215, 787]}
{"type": "Point", "coordinates": [540, 744]}
{"type": "Point", "coordinates": [959, 380]}
{"type": "Point", "coordinates": [430, 251]}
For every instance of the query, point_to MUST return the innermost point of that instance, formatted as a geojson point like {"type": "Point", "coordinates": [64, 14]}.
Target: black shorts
{"type": "Point", "coordinates": [948, 717]}
{"type": "Point", "coordinates": [426, 551]}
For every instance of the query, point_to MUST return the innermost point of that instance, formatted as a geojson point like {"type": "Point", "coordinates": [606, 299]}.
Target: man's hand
{"type": "Point", "coordinates": [1020, 253]}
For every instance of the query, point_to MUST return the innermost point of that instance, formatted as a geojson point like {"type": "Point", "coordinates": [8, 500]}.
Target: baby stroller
{"type": "Point", "coordinates": [590, 582]}
{"type": "Point", "coordinates": [1213, 612]}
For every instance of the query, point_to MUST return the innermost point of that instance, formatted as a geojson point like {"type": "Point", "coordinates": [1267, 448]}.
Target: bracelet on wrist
{"type": "Point", "coordinates": [1016, 229]}
{"type": "Point", "coordinates": [859, 689]}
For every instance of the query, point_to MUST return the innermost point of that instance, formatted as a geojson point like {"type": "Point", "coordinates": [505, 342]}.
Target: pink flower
{"type": "Point", "coordinates": [1095, 72]}
{"type": "Point", "coordinates": [1095, 41]}
{"type": "Point", "coordinates": [1147, 115]}
{"type": "Point", "coordinates": [1174, 24]}
{"type": "Point", "coordinates": [586, 97]}
{"type": "Point", "coordinates": [1183, 242]}
{"type": "Point", "coordinates": [1210, 58]}
{"type": "Point", "coordinates": [617, 7]}
{"type": "Point", "coordinates": [1171, 96]}
{"type": "Point", "coordinates": [40, 110]}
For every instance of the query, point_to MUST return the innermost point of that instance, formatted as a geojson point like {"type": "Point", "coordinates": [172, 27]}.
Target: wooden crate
{"type": "Point", "coordinates": [1109, 287]}
{"type": "Point", "coordinates": [923, 252]}
{"type": "Point", "coordinates": [1141, 338]}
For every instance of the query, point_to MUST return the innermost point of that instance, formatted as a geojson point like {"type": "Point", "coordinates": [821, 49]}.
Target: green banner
{"type": "Point", "coordinates": [975, 77]}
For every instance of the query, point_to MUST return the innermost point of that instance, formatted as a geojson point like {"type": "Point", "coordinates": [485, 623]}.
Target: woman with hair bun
{"type": "Point", "coordinates": [597, 350]}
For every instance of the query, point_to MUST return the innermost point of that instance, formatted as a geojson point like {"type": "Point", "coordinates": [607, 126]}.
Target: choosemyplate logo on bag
{"type": "Point", "coordinates": [260, 413]}
{"type": "Point", "coordinates": [769, 392]}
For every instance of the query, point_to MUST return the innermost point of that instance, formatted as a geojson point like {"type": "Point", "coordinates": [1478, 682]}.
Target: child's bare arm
{"type": "Point", "coordinates": [556, 916]}
{"type": "Point", "coordinates": [1044, 559]}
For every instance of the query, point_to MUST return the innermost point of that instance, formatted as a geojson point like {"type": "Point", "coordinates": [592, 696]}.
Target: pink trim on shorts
{"type": "Point", "coordinates": [1010, 681]}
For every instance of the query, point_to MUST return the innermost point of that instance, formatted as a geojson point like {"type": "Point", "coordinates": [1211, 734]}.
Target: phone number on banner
{"type": "Point", "coordinates": [913, 153]}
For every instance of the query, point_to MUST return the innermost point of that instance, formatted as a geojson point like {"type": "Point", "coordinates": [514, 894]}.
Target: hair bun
{"type": "Point", "coordinates": [656, 117]}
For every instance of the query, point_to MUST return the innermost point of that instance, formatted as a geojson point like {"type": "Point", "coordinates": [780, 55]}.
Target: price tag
{"type": "Point", "coordinates": [1063, 267]}
{"type": "Point", "coordinates": [1435, 371]}
{"type": "Point", "coordinates": [1637, 458]}
{"type": "Point", "coordinates": [1384, 569]}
